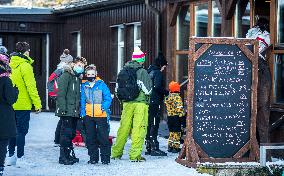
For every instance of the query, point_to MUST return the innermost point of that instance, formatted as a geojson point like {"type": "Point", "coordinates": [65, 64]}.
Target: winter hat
{"type": "Point", "coordinates": [91, 67]}
{"type": "Point", "coordinates": [138, 55]}
{"type": "Point", "coordinates": [3, 50]}
{"type": "Point", "coordinates": [160, 61]}
{"type": "Point", "coordinates": [174, 87]}
{"type": "Point", "coordinates": [66, 57]}
{"type": "Point", "coordinates": [80, 59]}
{"type": "Point", "coordinates": [5, 69]}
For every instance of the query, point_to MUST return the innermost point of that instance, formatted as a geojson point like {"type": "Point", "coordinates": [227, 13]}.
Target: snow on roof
{"type": "Point", "coordinates": [79, 3]}
{"type": "Point", "coordinates": [14, 10]}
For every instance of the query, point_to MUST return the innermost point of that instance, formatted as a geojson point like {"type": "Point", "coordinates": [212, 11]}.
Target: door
{"type": "Point", "coordinates": [37, 53]}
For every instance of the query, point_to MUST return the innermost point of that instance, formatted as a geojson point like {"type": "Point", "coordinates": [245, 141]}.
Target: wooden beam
{"type": "Point", "coordinates": [230, 9]}
{"type": "Point", "coordinates": [219, 5]}
{"type": "Point", "coordinates": [174, 13]}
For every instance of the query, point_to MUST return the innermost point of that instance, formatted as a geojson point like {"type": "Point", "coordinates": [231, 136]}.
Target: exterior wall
{"type": "Point", "coordinates": [97, 37]}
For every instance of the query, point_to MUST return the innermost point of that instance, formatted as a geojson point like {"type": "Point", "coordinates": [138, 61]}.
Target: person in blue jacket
{"type": "Point", "coordinates": [95, 103]}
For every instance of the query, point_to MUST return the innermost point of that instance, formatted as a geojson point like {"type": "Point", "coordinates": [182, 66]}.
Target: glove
{"type": "Point", "coordinates": [38, 111]}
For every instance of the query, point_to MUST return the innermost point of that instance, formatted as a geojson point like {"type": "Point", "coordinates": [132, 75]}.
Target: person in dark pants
{"type": "Point", "coordinates": [23, 77]}
{"type": "Point", "coordinates": [95, 103]}
{"type": "Point", "coordinates": [68, 108]}
{"type": "Point", "coordinates": [8, 96]}
{"type": "Point", "coordinates": [156, 100]}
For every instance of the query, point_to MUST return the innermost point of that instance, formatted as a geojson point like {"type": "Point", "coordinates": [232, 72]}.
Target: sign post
{"type": "Point", "coordinates": [222, 101]}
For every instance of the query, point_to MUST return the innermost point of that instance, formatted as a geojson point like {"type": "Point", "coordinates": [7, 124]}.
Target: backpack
{"type": "Point", "coordinates": [52, 86]}
{"type": "Point", "coordinates": [127, 87]}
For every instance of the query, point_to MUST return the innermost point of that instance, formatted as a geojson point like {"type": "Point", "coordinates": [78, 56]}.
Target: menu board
{"type": "Point", "coordinates": [222, 100]}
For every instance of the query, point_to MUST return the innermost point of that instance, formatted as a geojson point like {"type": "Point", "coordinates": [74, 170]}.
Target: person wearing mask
{"type": "Point", "coordinates": [68, 108]}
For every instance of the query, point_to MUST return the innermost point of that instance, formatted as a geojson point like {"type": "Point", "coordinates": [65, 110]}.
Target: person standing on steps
{"type": "Point", "coordinates": [8, 96]}
{"type": "Point", "coordinates": [156, 101]}
{"type": "Point", "coordinates": [68, 108]}
{"type": "Point", "coordinates": [23, 77]}
{"type": "Point", "coordinates": [134, 87]}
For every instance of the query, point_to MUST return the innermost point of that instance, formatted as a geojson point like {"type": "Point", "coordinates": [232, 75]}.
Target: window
{"type": "Point", "coordinates": [120, 48]}
{"type": "Point", "coordinates": [137, 35]}
{"type": "Point", "coordinates": [76, 43]}
{"type": "Point", "coordinates": [182, 67]}
{"type": "Point", "coordinates": [242, 20]}
{"type": "Point", "coordinates": [280, 23]}
{"type": "Point", "coordinates": [201, 20]}
{"type": "Point", "coordinates": [183, 25]}
{"type": "Point", "coordinates": [216, 20]}
{"type": "Point", "coordinates": [279, 78]}
{"type": "Point", "coordinates": [1, 41]}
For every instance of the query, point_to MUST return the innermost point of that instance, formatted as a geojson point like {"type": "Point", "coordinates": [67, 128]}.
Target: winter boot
{"type": "Point", "coordinates": [65, 156]}
{"type": "Point", "coordinates": [155, 151]}
{"type": "Point", "coordinates": [170, 149]}
{"type": "Point", "coordinates": [139, 159]}
{"type": "Point", "coordinates": [105, 159]}
{"type": "Point", "coordinates": [1, 170]}
{"type": "Point", "coordinates": [11, 160]}
{"type": "Point", "coordinates": [148, 147]}
{"type": "Point", "coordinates": [175, 150]}
{"type": "Point", "coordinates": [73, 156]}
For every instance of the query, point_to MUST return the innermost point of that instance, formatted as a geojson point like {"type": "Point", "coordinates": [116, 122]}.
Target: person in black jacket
{"type": "Point", "coordinates": [156, 100]}
{"type": "Point", "coordinates": [8, 96]}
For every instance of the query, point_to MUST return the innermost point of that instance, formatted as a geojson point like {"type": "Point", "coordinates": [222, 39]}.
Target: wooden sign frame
{"type": "Point", "coordinates": [191, 152]}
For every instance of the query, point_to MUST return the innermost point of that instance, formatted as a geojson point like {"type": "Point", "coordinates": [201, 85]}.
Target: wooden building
{"type": "Point", "coordinates": [105, 32]}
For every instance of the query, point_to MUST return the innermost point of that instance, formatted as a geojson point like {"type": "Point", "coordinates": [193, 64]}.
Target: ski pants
{"type": "Point", "coordinates": [22, 122]}
{"type": "Point", "coordinates": [153, 122]}
{"type": "Point", "coordinates": [97, 137]}
{"type": "Point", "coordinates": [68, 131]}
{"type": "Point", "coordinates": [134, 120]}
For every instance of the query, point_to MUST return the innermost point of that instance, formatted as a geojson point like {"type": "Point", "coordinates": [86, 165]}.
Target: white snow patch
{"type": "Point", "coordinates": [42, 157]}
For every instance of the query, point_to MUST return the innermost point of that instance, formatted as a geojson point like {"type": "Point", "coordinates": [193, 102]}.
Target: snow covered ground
{"type": "Point", "coordinates": [41, 157]}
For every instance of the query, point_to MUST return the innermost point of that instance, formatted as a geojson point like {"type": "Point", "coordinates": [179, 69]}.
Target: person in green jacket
{"type": "Point", "coordinates": [134, 118]}
{"type": "Point", "coordinates": [68, 108]}
{"type": "Point", "coordinates": [23, 77]}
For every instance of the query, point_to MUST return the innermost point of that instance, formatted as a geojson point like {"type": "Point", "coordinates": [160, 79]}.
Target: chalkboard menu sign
{"type": "Point", "coordinates": [222, 90]}
{"type": "Point", "coordinates": [222, 96]}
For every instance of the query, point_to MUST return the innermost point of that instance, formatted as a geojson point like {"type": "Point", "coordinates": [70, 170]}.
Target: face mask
{"type": "Point", "coordinates": [78, 69]}
{"type": "Point", "coordinates": [91, 79]}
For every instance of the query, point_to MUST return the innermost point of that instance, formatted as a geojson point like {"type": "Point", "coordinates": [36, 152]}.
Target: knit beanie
{"type": "Point", "coordinates": [91, 67]}
{"type": "Point", "coordinates": [3, 50]}
{"type": "Point", "coordinates": [138, 55]}
{"type": "Point", "coordinates": [66, 57]}
{"type": "Point", "coordinates": [160, 61]}
{"type": "Point", "coordinates": [174, 87]}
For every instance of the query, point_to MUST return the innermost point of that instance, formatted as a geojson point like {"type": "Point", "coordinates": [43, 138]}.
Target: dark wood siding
{"type": "Point", "coordinates": [97, 37]}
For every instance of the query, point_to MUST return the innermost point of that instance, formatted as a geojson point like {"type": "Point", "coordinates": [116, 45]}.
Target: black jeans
{"type": "Point", "coordinates": [153, 122]}
{"type": "Point", "coordinates": [22, 122]}
{"type": "Point", "coordinates": [57, 132]}
{"type": "Point", "coordinates": [97, 137]}
{"type": "Point", "coordinates": [3, 150]}
{"type": "Point", "coordinates": [68, 131]}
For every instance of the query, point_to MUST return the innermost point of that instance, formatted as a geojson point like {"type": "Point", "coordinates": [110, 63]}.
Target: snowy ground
{"type": "Point", "coordinates": [42, 157]}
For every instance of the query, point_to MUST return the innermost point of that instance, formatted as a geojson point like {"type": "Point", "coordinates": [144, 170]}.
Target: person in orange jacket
{"type": "Point", "coordinates": [95, 103]}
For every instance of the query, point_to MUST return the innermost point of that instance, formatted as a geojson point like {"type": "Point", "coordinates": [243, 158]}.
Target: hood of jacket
{"type": "Point", "coordinates": [133, 64]}
{"type": "Point", "coordinates": [18, 58]}
{"type": "Point", "coordinates": [153, 68]}
{"type": "Point", "coordinates": [68, 68]}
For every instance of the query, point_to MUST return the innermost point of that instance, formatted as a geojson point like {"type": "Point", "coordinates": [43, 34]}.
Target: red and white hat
{"type": "Point", "coordinates": [138, 55]}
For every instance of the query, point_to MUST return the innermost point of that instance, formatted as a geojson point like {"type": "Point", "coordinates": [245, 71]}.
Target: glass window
{"type": "Point", "coordinates": [216, 20]}
{"type": "Point", "coordinates": [279, 78]}
{"type": "Point", "coordinates": [280, 21]}
{"type": "Point", "coordinates": [183, 25]}
{"type": "Point", "coordinates": [120, 49]}
{"type": "Point", "coordinates": [201, 20]}
{"type": "Point", "coordinates": [137, 35]}
{"type": "Point", "coordinates": [182, 68]}
{"type": "Point", "coordinates": [242, 20]}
